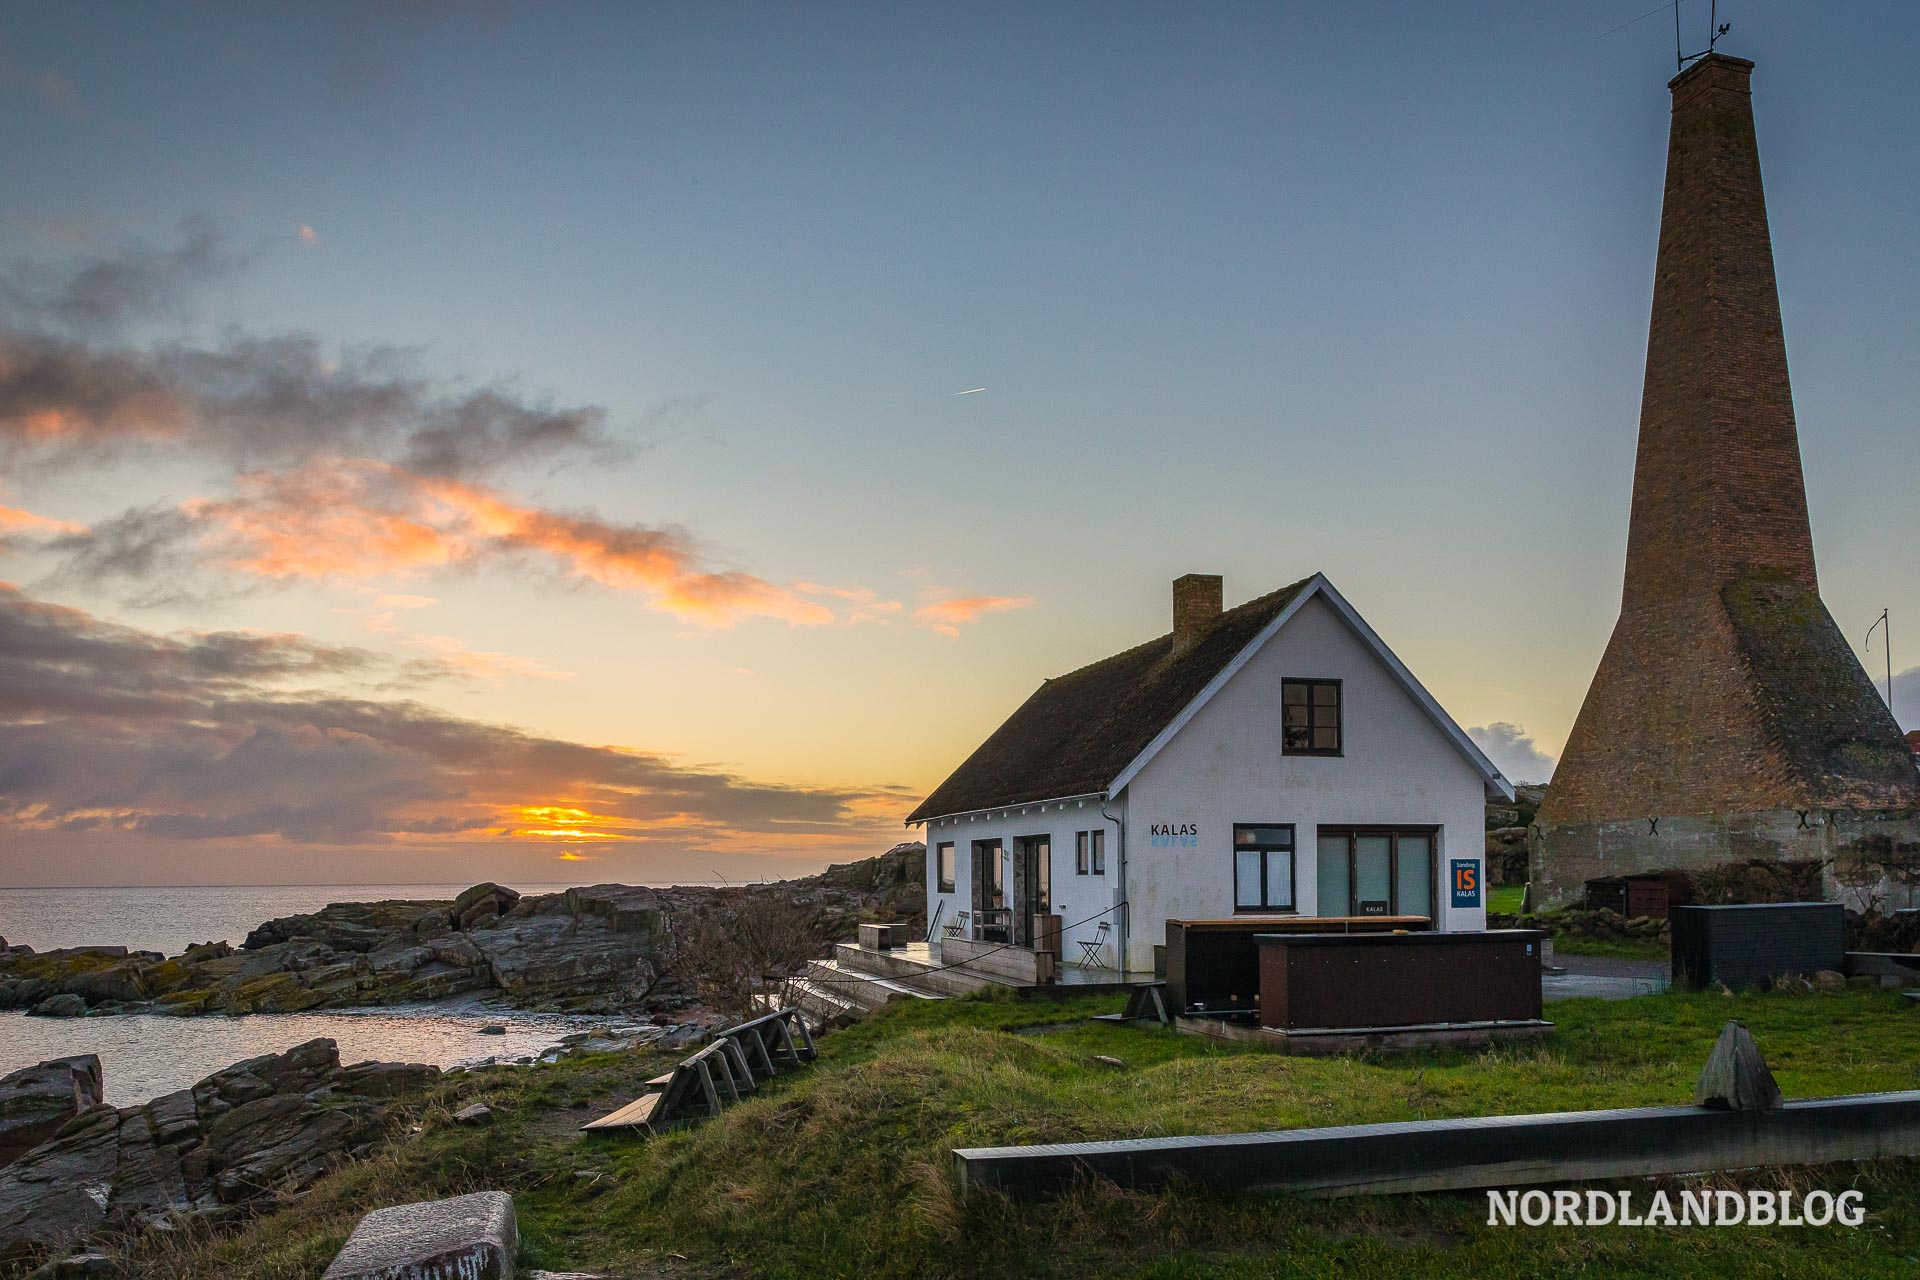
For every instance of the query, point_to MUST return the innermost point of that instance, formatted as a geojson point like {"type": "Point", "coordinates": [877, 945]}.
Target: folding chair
{"type": "Point", "coordinates": [957, 926]}
{"type": "Point", "coordinates": [1091, 948]}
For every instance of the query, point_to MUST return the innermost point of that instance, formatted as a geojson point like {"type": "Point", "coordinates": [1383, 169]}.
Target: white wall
{"type": "Point", "coordinates": [1076, 898]}
{"type": "Point", "coordinates": [1226, 766]}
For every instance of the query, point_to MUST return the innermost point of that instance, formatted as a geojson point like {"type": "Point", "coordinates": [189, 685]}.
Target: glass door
{"type": "Point", "coordinates": [1374, 871]}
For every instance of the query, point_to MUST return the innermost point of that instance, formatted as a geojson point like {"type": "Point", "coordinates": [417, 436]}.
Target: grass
{"type": "Point", "coordinates": [1566, 944]}
{"type": "Point", "coordinates": [1506, 899]}
{"type": "Point", "coordinates": [842, 1169]}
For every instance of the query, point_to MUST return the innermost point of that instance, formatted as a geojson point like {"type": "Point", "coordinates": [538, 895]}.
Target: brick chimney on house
{"type": "Point", "coordinates": [1197, 598]}
{"type": "Point", "coordinates": [1726, 690]}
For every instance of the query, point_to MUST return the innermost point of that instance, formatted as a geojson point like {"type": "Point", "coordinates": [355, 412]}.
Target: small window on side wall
{"type": "Point", "coordinates": [1090, 853]}
{"type": "Point", "coordinates": [1099, 852]}
{"type": "Point", "coordinates": [1311, 711]}
{"type": "Point", "coordinates": [943, 866]}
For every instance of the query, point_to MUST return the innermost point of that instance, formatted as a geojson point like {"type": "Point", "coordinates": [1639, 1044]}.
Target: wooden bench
{"type": "Point", "coordinates": [726, 1070]}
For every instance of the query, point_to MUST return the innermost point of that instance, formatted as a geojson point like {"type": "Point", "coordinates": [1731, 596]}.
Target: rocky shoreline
{"type": "Point", "coordinates": [268, 1126]}
{"type": "Point", "coordinates": [606, 949]}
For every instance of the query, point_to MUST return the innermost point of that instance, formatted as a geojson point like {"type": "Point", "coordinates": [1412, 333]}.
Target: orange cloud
{"type": "Point", "coordinates": [485, 664]}
{"type": "Point", "coordinates": [949, 615]}
{"type": "Point", "coordinates": [357, 518]}
{"type": "Point", "coordinates": [14, 520]}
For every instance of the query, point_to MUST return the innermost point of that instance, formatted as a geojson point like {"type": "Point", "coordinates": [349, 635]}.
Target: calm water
{"type": "Point", "coordinates": [146, 1055]}
{"type": "Point", "coordinates": [171, 919]}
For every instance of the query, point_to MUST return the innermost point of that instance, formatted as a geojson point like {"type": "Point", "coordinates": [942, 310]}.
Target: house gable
{"type": "Point", "coordinates": [1091, 732]}
{"type": "Point", "coordinates": [1318, 587]}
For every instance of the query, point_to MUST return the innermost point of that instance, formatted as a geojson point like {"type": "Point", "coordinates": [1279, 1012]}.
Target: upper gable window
{"type": "Point", "coordinates": [1312, 711]}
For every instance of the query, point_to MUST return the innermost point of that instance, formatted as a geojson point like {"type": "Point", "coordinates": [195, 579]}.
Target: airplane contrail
{"type": "Point", "coordinates": [976, 391]}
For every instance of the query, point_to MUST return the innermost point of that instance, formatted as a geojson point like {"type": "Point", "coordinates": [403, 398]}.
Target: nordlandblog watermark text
{"type": "Point", "coordinates": [1687, 1209]}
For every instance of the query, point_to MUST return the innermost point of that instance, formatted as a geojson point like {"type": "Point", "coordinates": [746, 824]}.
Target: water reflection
{"type": "Point", "coordinates": [146, 1055]}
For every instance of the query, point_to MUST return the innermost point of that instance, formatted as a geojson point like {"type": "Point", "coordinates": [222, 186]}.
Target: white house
{"type": "Point", "coordinates": [1271, 759]}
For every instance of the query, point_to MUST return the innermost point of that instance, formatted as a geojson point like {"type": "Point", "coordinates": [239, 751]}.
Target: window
{"type": "Point", "coordinates": [943, 866]}
{"type": "Point", "coordinates": [1312, 717]}
{"type": "Point", "coordinates": [1262, 867]}
{"type": "Point", "coordinates": [1090, 853]}
{"type": "Point", "coordinates": [1375, 872]}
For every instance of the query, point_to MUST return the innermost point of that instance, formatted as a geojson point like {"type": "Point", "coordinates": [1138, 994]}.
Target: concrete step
{"type": "Point", "coordinates": [868, 990]}
{"type": "Point", "coordinates": [825, 1007]}
{"type": "Point", "coordinates": [919, 974]}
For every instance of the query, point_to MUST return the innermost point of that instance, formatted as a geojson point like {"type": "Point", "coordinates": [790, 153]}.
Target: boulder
{"type": "Point", "coordinates": [36, 1102]}
{"type": "Point", "coordinates": [482, 902]}
{"type": "Point", "coordinates": [478, 1113]}
{"type": "Point", "coordinates": [471, 1237]}
{"type": "Point", "coordinates": [1736, 1076]}
{"type": "Point", "coordinates": [262, 1128]}
{"type": "Point", "coordinates": [64, 1005]}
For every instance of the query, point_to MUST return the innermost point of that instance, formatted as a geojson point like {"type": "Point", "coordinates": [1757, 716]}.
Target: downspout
{"type": "Point", "coordinates": [1126, 907]}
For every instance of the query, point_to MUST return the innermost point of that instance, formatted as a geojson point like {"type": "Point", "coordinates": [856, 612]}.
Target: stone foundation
{"type": "Point", "coordinates": [1566, 856]}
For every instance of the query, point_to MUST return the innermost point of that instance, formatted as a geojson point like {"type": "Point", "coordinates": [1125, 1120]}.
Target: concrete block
{"type": "Point", "coordinates": [470, 1237]}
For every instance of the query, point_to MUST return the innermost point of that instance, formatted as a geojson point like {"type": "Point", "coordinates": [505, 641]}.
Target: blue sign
{"type": "Point", "coordinates": [1466, 882]}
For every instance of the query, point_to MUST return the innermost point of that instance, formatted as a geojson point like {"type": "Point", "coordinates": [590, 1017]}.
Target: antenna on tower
{"type": "Point", "coordinates": [1715, 29]}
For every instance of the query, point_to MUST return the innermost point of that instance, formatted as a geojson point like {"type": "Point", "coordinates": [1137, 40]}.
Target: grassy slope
{"type": "Point", "coordinates": [842, 1169]}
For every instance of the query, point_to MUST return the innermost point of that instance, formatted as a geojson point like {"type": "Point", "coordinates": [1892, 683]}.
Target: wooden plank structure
{"type": "Point", "coordinates": [727, 1069]}
{"type": "Point", "coordinates": [1480, 1151]}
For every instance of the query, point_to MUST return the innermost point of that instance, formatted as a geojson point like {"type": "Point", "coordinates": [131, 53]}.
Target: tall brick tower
{"type": "Point", "coordinates": [1729, 718]}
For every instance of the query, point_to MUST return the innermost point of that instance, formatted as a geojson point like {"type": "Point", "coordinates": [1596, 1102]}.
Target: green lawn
{"type": "Point", "coordinates": [1506, 899]}
{"type": "Point", "coordinates": [842, 1169]}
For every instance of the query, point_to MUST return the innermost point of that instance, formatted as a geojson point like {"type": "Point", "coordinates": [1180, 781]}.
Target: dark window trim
{"type": "Point", "coordinates": [1090, 852]}
{"type": "Point", "coordinates": [946, 868]}
{"type": "Point", "coordinates": [1394, 905]}
{"type": "Point", "coordinates": [1293, 869]}
{"type": "Point", "coordinates": [1339, 721]}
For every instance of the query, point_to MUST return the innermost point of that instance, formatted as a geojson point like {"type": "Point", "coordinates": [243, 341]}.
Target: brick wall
{"type": "Point", "coordinates": [1725, 688]}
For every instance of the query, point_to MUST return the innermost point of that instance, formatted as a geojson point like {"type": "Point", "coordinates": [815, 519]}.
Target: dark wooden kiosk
{"type": "Point", "coordinates": [1213, 966]}
{"type": "Point", "coordinates": [1321, 981]}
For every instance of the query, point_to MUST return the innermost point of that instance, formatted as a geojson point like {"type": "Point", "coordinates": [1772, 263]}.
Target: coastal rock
{"type": "Point", "coordinates": [482, 902]}
{"type": "Point", "coordinates": [36, 1102]}
{"type": "Point", "coordinates": [601, 948]}
{"type": "Point", "coordinates": [265, 1127]}
{"type": "Point", "coordinates": [65, 1005]}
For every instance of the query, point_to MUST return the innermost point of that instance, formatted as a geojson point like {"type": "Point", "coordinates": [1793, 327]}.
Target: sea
{"type": "Point", "coordinates": [143, 1056]}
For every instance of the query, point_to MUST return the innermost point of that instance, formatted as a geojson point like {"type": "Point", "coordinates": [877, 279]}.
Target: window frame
{"type": "Point", "coordinates": [1313, 721]}
{"type": "Point", "coordinates": [1292, 851]}
{"type": "Point", "coordinates": [1080, 843]}
{"type": "Point", "coordinates": [1098, 840]}
{"type": "Point", "coordinates": [946, 868]}
{"type": "Point", "coordinates": [1394, 906]}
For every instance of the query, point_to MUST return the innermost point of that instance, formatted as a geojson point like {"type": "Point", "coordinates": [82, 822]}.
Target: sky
{"type": "Point", "coordinates": [456, 441]}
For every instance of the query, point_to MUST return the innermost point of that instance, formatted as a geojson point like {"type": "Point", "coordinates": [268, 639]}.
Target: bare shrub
{"type": "Point", "coordinates": [726, 950]}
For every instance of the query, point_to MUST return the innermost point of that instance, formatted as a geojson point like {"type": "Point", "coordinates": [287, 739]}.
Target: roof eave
{"type": "Point", "coordinates": [990, 810]}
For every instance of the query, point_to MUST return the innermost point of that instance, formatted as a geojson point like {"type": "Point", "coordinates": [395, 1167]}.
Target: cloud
{"type": "Point", "coordinates": [1906, 696]}
{"type": "Point", "coordinates": [948, 615]}
{"type": "Point", "coordinates": [356, 519]}
{"type": "Point", "coordinates": [1513, 752]}
{"type": "Point", "coordinates": [72, 392]}
{"type": "Point", "coordinates": [110, 730]}
{"type": "Point", "coordinates": [14, 520]}
{"type": "Point", "coordinates": [306, 234]}
{"type": "Point", "coordinates": [100, 292]}
{"type": "Point", "coordinates": [456, 656]}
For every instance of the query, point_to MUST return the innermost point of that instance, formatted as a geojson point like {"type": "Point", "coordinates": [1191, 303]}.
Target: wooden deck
{"type": "Point", "coordinates": [913, 959]}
